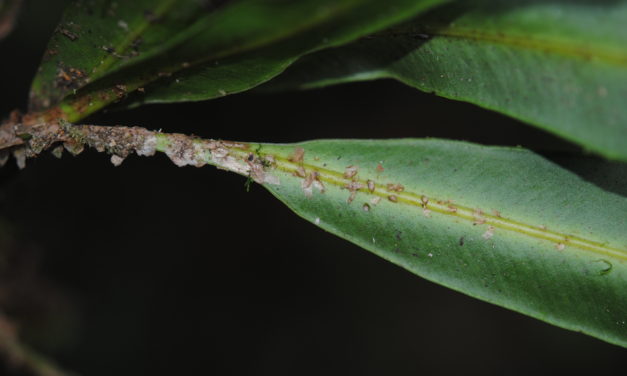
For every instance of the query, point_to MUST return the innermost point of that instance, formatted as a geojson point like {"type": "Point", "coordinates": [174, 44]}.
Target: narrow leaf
{"type": "Point", "coordinates": [242, 72]}
{"type": "Point", "coordinates": [500, 224]}
{"type": "Point", "coordinates": [175, 50]}
{"type": "Point", "coordinates": [559, 65]}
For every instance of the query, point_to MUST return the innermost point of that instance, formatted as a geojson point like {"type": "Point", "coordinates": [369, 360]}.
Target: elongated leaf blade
{"type": "Point", "coordinates": [559, 65]}
{"type": "Point", "coordinates": [243, 72]}
{"type": "Point", "coordinates": [173, 50]}
{"type": "Point", "coordinates": [500, 224]}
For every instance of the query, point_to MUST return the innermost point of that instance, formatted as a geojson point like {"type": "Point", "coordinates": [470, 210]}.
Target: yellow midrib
{"type": "Point", "coordinates": [450, 208]}
{"type": "Point", "coordinates": [125, 43]}
{"type": "Point", "coordinates": [562, 47]}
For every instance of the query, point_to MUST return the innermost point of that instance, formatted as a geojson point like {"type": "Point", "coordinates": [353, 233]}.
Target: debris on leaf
{"type": "Point", "coordinates": [70, 35]}
{"type": "Point", "coordinates": [350, 172]}
{"type": "Point", "coordinates": [75, 148]}
{"type": "Point", "coordinates": [19, 154]}
{"type": "Point", "coordinates": [371, 186]}
{"type": "Point", "coordinates": [58, 151]}
{"type": "Point", "coordinates": [353, 187]}
{"type": "Point", "coordinates": [297, 156]}
{"type": "Point", "coordinates": [424, 200]}
{"type": "Point", "coordinates": [116, 160]}
{"type": "Point", "coordinates": [479, 221]}
{"type": "Point", "coordinates": [300, 172]}
{"type": "Point", "coordinates": [489, 233]}
{"type": "Point", "coordinates": [395, 188]}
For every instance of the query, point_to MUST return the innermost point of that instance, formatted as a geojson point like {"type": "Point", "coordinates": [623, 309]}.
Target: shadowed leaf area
{"type": "Point", "coordinates": [559, 65]}
{"type": "Point", "coordinates": [180, 50]}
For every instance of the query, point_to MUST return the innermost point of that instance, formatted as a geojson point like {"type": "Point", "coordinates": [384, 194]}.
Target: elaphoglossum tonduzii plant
{"type": "Point", "coordinates": [502, 224]}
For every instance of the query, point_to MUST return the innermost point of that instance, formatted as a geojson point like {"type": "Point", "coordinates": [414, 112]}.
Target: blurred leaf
{"type": "Point", "coordinates": [9, 10]}
{"type": "Point", "coordinates": [176, 50]}
{"type": "Point", "coordinates": [560, 65]}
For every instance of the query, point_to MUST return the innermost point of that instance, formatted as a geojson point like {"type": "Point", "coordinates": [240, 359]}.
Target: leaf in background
{"type": "Point", "coordinates": [241, 72]}
{"type": "Point", "coordinates": [9, 10]}
{"type": "Point", "coordinates": [559, 65]}
{"type": "Point", "coordinates": [500, 224]}
{"type": "Point", "coordinates": [174, 50]}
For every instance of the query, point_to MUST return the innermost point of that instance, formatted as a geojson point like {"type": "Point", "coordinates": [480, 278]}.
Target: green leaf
{"type": "Point", "coordinates": [501, 224]}
{"type": "Point", "coordinates": [174, 50]}
{"type": "Point", "coordinates": [559, 65]}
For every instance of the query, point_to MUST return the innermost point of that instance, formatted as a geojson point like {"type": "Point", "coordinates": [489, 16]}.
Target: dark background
{"type": "Point", "coordinates": [152, 269]}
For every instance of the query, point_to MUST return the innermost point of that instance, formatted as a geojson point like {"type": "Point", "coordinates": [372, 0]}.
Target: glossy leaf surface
{"type": "Point", "coordinates": [559, 65]}
{"type": "Point", "coordinates": [500, 224]}
{"type": "Point", "coordinates": [180, 50]}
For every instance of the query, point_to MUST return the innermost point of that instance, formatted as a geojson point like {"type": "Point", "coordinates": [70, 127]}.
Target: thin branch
{"type": "Point", "coordinates": [19, 358]}
{"type": "Point", "coordinates": [29, 140]}
{"type": "Point", "coordinates": [24, 139]}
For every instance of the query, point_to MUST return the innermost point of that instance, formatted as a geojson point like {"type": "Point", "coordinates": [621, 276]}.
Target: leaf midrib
{"type": "Point", "coordinates": [446, 207]}
{"type": "Point", "coordinates": [125, 43]}
{"type": "Point", "coordinates": [563, 47]}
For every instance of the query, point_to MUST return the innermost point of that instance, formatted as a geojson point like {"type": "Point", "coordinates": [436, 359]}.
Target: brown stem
{"type": "Point", "coordinates": [25, 137]}
{"type": "Point", "coordinates": [27, 141]}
